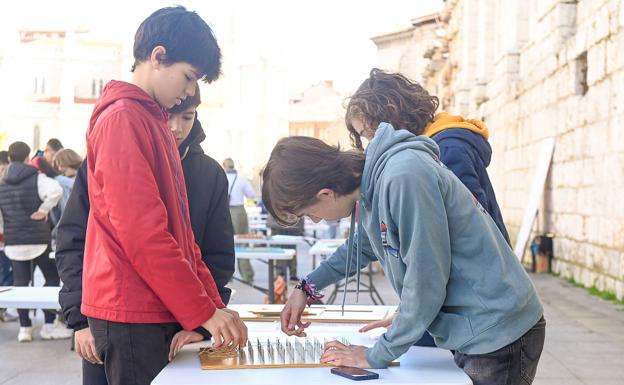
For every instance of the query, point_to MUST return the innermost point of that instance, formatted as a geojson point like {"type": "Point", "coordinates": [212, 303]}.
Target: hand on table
{"type": "Point", "coordinates": [339, 354]}
{"type": "Point", "coordinates": [227, 329]}
{"type": "Point", "coordinates": [182, 338]}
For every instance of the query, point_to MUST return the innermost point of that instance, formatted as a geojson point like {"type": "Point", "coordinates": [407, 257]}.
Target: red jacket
{"type": "Point", "coordinates": [141, 262]}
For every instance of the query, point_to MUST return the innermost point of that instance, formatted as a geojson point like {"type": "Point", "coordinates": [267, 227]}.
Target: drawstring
{"type": "Point", "coordinates": [358, 235]}
{"type": "Point", "coordinates": [349, 256]}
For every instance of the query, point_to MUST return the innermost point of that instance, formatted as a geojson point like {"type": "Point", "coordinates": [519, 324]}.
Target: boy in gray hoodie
{"type": "Point", "coordinates": [455, 274]}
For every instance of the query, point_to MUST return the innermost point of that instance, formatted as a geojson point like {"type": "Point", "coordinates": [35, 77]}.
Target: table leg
{"type": "Point", "coordinates": [271, 293]}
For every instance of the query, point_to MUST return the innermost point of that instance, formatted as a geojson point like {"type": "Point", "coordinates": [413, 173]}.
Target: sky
{"type": "Point", "coordinates": [312, 40]}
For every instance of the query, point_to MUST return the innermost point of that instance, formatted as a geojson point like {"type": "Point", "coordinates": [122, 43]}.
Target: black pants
{"type": "Point", "coordinates": [514, 364]}
{"type": "Point", "coordinates": [93, 374]}
{"type": "Point", "coordinates": [22, 275]}
{"type": "Point", "coordinates": [133, 354]}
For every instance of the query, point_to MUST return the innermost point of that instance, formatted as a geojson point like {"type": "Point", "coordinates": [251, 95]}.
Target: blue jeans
{"type": "Point", "coordinates": [6, 270]}
{"type": "Point", "coordinates": [514, 364]}
{"type": "Point", "coordinates": [426, 340]}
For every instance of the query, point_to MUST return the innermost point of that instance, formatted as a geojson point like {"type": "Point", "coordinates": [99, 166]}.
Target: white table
{"type": "Point", "coordinates": [325, 248]}
{"type": "Point", "coordinates": [419, 365]}
{"type": "Point", "coordinates": [28, 297]}
{"type": "Point", "coordinates": [268, 256]}
{"type": "Point", "coordinates": [275, 240]}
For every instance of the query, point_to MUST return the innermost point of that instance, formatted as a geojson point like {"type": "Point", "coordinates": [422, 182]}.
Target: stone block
{"type": "Point", "coordinates": [565, 14]}
{"type": "Point", "coordinates": [615, 53]}
{"type": "Point", "coordinates": [596, 63]}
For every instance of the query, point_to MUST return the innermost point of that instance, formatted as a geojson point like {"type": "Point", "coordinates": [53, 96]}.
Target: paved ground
{"type": "Point", "coordinates": [584, 342]}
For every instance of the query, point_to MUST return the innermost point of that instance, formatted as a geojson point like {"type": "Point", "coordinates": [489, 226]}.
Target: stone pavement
{"type": "Point", "coordinates": [584, 338]}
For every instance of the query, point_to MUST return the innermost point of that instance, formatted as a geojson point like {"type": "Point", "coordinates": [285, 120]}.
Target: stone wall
{"type": "Point", "coordinates": [536, 69]}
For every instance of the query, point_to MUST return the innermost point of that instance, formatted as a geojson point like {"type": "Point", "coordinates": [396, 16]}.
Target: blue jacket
{"type": "Point", "coordinates": [468, 154]}
{"type": "Point", "coordinates": [455, 274]}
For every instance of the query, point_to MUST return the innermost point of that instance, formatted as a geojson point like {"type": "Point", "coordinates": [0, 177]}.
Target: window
{"type": "Point", "coordinates": [580, 77]}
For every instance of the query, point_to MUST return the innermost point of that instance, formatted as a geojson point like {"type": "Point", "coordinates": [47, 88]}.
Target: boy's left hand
{"type": "Point", "coordinates": [182, 338]}
{"type": "Point", "coordinates": [339, 354]}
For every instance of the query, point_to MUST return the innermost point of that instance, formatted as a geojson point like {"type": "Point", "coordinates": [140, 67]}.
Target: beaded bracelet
{"type": "Point", "coordinates": [310, 290]}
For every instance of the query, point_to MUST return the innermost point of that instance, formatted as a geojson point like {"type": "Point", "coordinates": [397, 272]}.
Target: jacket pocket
{"type": "Point", "coordinates": [99, 330]}
{"type": "Point", "coordinates": [532, 344]}
{"type": "Point", "coordinates": [451, 330]}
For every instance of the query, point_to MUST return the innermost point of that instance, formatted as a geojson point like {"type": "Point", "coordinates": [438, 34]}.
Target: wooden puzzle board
{"type": "Point", "coordinates": [316, 313]}
{"type": "Point", "coordinates": [277, 352]}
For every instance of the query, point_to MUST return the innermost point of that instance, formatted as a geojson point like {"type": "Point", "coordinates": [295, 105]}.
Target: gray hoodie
{"type": "Point", "coordinates": [455, 274]}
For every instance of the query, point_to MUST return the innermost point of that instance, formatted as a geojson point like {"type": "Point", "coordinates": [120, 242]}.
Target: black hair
{"type": "Point", "coordinates": [55, 144]}
{"type": "Point", "coordinates": [186, 38]}
{"type": "Point", "coordinates": [190, 101]}
{"type": "Point", "coordinates": [4, 157]}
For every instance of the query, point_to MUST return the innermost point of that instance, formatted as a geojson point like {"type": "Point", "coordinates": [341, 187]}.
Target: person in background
{"type": "Point", "coordinates": [239, 188]}
{"type": "Point", "coordinates": [52, 147]}
{"type": "Point", "coordinates": [26, 198]}
{"type": "Point", "coordinates": [282, 266]}
{"type": "Point", "coordinates": [66, 162]}
{"type": "Point", "coordinates": [46, 168]}
{"type": "Point", "coordinates": [6, 271]}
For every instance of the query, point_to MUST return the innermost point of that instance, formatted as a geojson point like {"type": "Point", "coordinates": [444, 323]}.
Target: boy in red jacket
{"type": "Point", "coordinates": [143, 274]}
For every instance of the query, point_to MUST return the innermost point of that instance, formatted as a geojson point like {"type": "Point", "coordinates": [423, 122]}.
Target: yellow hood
{"type": "Point", "coordinates": [444, 120]}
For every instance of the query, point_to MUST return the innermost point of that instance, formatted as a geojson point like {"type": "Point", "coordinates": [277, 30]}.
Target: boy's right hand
{"type": "Point", "coordinates": [84, 344]}
{"type": "Point", "coordinates": [227, 329]}
{"type": "Point", "coordinates": [291, 314]}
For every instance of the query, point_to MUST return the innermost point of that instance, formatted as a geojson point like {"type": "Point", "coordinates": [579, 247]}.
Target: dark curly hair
{"type": "Point", "coordinates": [390, 98]}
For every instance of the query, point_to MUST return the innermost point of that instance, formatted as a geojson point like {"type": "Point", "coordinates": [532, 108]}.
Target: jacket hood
{"type": "Point", "coordinates": [472, 131]}
{"type": "Point", "coordinates": [117, 90]}
{"type": "Point", "coordinates": [477, 142]}
{"type": "Point", "coordinates": [444, 121]}
{"type": "Point", "coordinates": [192, 143]}
{"type": "Point", "coordinates": [386, 143]}
{"type": "Point", "coordinates": [18, 171]}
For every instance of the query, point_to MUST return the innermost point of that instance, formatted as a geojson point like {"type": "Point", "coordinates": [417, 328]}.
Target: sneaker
{"type": "Point", "coordinates": [25, 334]}
{"type": "Point", "coordinates": [55, 331]}
{"type": "Point", "coordinates": [6, 316]}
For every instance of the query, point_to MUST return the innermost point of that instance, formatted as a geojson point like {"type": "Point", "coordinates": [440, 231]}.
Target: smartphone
{"type": "Point", "coordinates": [355, 374]}
{"type": "Point", "coordinates": [38, 154]}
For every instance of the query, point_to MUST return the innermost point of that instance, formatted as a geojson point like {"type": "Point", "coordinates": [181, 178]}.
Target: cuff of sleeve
{"type": "Point", "coordinates": [80, 326]}
{"type": "Point", "coordinates": [205, 333]}
{"type": "Point", "coordinates": [199, 318]}
{"type": "Point", "coordinates": [374, 362]}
